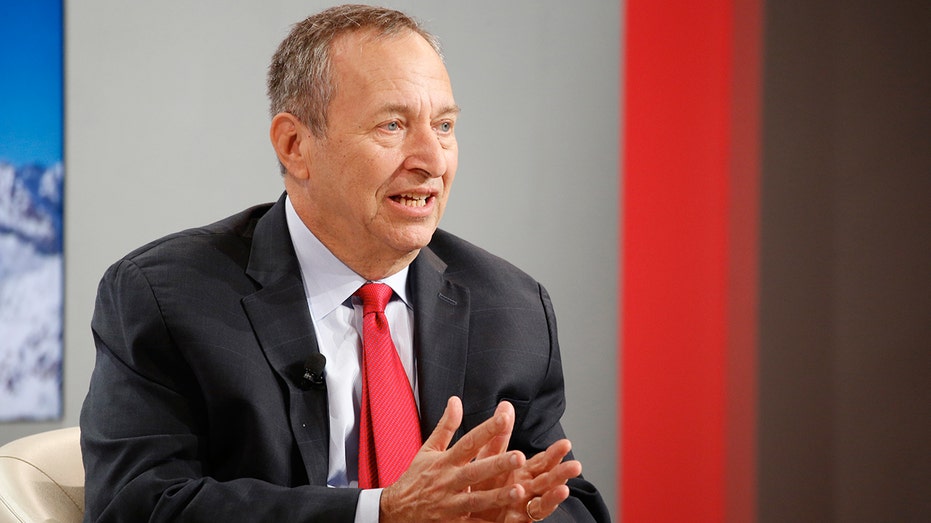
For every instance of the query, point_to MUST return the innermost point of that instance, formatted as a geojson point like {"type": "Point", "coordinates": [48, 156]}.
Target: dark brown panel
{"type": "Point", "coordinates": [845, 356]}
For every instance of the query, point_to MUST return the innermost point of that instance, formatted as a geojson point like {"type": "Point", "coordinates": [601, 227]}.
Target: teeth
{"type": "Point", "coordinates": [412, 200]}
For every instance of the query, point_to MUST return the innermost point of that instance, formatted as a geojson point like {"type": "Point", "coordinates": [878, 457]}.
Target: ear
{"type": "Point", "coordinates": [287, 134]}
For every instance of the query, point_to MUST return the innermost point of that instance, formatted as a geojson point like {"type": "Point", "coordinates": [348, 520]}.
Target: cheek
{"type": "Point", "coordinates": [452, 163]}
{"type": "Point", "coordinates": [358, 177]}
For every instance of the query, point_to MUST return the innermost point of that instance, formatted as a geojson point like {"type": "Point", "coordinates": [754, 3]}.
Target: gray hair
{"type": "Point", "coordinates": [300, 81]}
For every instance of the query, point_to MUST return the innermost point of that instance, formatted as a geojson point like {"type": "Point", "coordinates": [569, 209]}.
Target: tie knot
{"type": "Point", "coordinates": [374, 296]}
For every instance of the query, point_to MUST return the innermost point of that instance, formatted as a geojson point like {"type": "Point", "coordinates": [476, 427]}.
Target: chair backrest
{"type": "Point", "coordinates": [42, 478]}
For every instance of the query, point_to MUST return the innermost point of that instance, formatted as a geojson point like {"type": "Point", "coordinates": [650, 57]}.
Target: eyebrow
{"type": "Point", "coordinates": [402, 109]}
{"type": "Point", "coordinates": [451, 110]}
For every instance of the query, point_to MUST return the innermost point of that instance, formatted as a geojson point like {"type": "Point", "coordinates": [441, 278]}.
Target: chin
{"type": "Point", "coordinates": [413, 239]}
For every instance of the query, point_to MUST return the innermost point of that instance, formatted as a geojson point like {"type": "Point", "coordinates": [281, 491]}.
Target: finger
{"type": "Point", "coordinates": [548, 459]}
{"type": "Point", "coordinates": [446, 428]}
{"type": "Point", "coordinates": [558, 476]}
{"type": "Point", "coordinates": [469, 446]}
{"type": "Point", "coordinates": [543, 506]}
{"type": "Point", "coordinates": [480, 470]}
{"type": "Point", "coordinates": [474, 502]}
{"type": "Point", "coordinates": [499, 443]}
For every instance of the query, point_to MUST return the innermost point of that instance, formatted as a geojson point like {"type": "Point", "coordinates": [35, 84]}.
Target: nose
{"type": "Point", "coordinates": [425, 153]}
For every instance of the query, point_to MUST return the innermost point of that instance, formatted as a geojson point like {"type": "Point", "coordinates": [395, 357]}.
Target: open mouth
{"type": "Point", "coordinates": [412, 200]}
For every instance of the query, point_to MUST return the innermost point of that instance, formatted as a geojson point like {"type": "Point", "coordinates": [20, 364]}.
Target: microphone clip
{"type": "Point", "coordinates": [314, 372]}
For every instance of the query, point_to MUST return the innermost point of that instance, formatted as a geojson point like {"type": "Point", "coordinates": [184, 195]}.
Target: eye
{"type": "Point", "coordinates": [444, 127]}
{"type": "Point", "coordinates": [392, 126]}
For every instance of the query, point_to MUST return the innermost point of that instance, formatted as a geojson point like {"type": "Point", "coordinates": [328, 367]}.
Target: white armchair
{"type": "Point", "coordinates": [42, 478]}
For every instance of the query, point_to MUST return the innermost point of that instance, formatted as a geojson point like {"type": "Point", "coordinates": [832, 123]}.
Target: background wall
{"type": "Point", "coordinates": [166, 128]}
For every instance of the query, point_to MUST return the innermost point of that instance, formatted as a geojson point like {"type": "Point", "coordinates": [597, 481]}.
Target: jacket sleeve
{"type": "Point", "coordinates": [541, 427]}
{"type": "Point", "coordinates": [144, 429]}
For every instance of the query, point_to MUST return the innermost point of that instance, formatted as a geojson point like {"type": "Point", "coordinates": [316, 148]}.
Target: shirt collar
{"type": "Point", "coordinates": [328, 282]}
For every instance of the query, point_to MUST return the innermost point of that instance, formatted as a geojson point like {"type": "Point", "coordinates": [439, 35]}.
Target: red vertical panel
{"type": "Point", "coordinates": [681, 353]}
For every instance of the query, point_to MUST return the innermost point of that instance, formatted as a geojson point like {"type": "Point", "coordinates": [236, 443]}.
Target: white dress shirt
{"type": "Point", "coordinates": [337, 318]}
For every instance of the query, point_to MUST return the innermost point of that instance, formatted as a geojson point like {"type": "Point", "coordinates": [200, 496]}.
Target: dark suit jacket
{"type": "Point", "coordinates": [196, 410]}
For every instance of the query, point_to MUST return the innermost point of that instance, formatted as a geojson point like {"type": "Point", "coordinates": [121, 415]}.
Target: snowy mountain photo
{"type": "Point", "coordinates": [30, 291]}
{"type": "Point", "coordinates": [31, 202]}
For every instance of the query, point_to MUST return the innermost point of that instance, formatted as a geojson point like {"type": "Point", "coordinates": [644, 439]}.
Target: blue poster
{"type": "Point", "coordinates": [31, 200]}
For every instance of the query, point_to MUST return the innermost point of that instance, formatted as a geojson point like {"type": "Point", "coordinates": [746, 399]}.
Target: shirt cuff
{"type": "Point", "coordinates": [368, 506]}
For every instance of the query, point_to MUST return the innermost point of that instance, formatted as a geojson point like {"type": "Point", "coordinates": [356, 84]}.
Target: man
{"type": "Point", "coordinates": [204, 405]}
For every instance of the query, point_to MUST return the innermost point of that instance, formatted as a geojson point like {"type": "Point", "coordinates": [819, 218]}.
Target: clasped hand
{"type": "Point", "coordinates": [477, 479]}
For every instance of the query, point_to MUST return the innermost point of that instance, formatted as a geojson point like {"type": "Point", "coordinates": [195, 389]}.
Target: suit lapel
{"type": "Point", "coordinates": [279, 316]}
{"type": "Point", "coordinates": [441, 336]}
{"type": "Point", "coordinates": [282, 324]}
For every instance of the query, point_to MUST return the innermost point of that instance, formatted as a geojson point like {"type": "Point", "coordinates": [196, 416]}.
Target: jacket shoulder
{"type": "Point", "coordinates": [469, 264]}
{"type": "Point", "coordinates": [229, 233]}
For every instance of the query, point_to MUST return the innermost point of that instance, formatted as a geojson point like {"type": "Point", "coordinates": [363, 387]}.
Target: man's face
{"type": "Point", "coordinates": [379, 180]}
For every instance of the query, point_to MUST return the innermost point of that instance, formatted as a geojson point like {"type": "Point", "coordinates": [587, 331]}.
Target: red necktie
{"type": "Point", "coordinates": [389, 427]}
